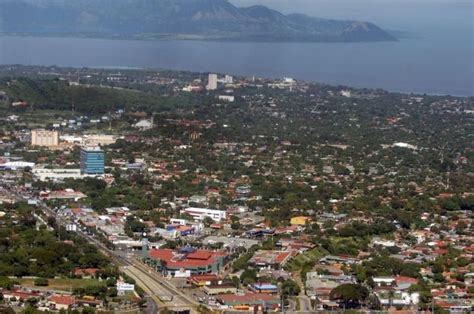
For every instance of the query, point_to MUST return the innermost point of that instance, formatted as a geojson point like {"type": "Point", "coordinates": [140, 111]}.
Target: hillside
{"type": "Point", "coordinates": [196, 19]}
{"type": "Point", "coordinates": [54, 94]}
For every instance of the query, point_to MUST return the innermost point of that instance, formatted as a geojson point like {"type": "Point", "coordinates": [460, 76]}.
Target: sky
{"type": "Point", "coordinates": [401, 15]}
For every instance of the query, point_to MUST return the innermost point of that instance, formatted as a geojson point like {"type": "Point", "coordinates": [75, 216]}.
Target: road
{"type": "Point", "coordinates": [177, 302]}
{"type": "Point", "coordinates": [152, 283]}
{"type": "Point", "coordinates": [305, 304]}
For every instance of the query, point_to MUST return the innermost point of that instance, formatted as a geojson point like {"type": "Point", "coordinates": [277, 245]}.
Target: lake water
{"type": "Point", "coordinates": [436, 56]}
{"type": "Point", "coordinates": [421, 65]}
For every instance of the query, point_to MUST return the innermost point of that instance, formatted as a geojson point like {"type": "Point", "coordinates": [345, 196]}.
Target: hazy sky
{"type": "Point", "coordinates": [405, 15]}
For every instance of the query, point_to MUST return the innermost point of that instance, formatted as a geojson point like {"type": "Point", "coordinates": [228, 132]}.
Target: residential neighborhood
{"type": "Point", "coordinates": [195, 193]}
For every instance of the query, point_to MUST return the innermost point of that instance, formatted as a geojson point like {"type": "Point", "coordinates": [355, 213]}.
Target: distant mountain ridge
{"type": "Point", "coordinates": [198, 19]}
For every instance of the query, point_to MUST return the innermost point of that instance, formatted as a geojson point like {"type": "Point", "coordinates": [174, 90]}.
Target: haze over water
{"type": "Point", "coordinates": [435, 53]}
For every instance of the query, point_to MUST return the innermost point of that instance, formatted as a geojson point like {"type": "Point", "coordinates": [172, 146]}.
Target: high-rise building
{"type": "Point", "coordinates": [44, 138]}
{"type": "Point", "coordinates": [212, 82]}
{"type": "Point", "coordinates": [228, 79]}
{"type": "Point", "coordinates": [92, 160]}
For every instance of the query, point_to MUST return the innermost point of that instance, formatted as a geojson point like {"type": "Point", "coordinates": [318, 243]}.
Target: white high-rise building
{"type": "Point", "coordinates": [44, 138]}
{"type": "Point", "coordinates": [212, 84]}
{"type": "Point", "coordinates": [228, 79]}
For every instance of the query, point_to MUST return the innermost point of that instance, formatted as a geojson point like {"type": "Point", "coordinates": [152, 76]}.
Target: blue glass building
{"type": "Point", "coordinates": [92, 160]}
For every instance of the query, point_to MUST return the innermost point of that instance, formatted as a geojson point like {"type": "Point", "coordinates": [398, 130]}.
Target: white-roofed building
{"type": "Point", "coordinates": [17, 165]}
{"type": "Point", "coordinates": [201, 213]}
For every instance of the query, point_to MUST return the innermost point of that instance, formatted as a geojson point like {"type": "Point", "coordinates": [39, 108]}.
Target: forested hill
{"type": "Point", "coordinates": [60, 95]}
{"type": "Point", "coordinates": [189, 19]}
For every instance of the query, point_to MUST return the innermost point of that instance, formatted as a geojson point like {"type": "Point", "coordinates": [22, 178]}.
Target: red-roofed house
{"type": "Point", "coordinates": [62, 302]}
{"type": "Point", "coordinates": [20, 294]}
{"type": "Point", "coordinates": [205, 280]}
{"type": "Point", "coordinates": [404, 279]}
{"type": "Point", "coordinates": [86, 272]}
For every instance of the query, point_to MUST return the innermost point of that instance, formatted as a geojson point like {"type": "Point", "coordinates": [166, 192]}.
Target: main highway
{"type": "Point", "coordinates": [163, 293]}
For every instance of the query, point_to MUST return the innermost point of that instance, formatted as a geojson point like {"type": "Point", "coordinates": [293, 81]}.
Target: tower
{"type": "Point", "coordinates": [153, 119]}
{"type": "Point", "coordinates": [44, 138]}
{"type": "Point", "coordinates": [212, 82]}
{"type": "Point", "coordinates": [92, 160]}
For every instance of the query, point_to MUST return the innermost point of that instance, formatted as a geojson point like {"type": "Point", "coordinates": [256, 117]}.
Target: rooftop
{"type": "Point", "coordinates": [174, 259]}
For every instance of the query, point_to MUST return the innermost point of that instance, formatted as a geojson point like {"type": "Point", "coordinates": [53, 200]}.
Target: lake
{"type": "Point", "coordinates": [416, 64]}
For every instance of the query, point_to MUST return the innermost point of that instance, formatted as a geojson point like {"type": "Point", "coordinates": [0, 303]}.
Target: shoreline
{"type": "Point", "coordinates": [337, 79]}
{"type": "Point", "coordinates": [153, 37]}
{"type": "Point", "coordinates": [130, 68]}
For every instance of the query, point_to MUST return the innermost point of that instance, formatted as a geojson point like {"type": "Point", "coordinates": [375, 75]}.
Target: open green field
{"type": "Point", "coordinates": [296, 263]}
{"type": "Point", "coordinates": [64, 284]}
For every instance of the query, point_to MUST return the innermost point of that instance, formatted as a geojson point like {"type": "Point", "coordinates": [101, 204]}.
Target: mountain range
{"type": "Point", "coordinates": [185, 19]}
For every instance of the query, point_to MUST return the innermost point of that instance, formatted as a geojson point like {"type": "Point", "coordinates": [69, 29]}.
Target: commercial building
{"type": "Point", "coordinates": [144, 124]}
{"type": "Point", "coordinates": [15, 165]}
{"type": "Point", "coordinates": [44, 138]}
{"type": "Point", "coordinates": [264, 287]}
{"type": "Point", "coordinates": [300, 220]}
{"type": "Point", "coordinates": [212, 82]}
{"type": "Point", "coordinates": [219, 289]}
{"type": "Point", "coordinates": [319, 285]}
{"type": "Point", "coordinates": [230, 243]}
{"type": "Point", "coordinates": [228, 98]}
{"type": "Point", "coordinates": [186, 259]}
{"type": "Point", "coordinates": [270, 259]}
{"type": "Point", "coordinates": [44, 174]}
{"type": "Point", "coordinates": [62, 195]}
{"type": "Point", "coordinates": [228, 79]}
{"type": "Point", "coordinates": [92, 160]}
{"type": "Point", "coordinates": [99, 139]}
{"type": "Point", "coordinates": [249, 301]}
{"type": "Point", "coordinates": [201, 213]}
{"type": "Point", "coordinates": [205, 280]}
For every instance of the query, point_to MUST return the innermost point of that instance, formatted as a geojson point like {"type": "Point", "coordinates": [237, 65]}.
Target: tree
{"type": "Point", "coordinates": [186, 216]}
{"type": "Point", "coordinates": [242, 261]}
{"type": "Point", "coordinates": [41, 282]}
{"type": "Point", "coordinates": [110, 282]}
{"type": "Point", "coordinates": [425, 299]}
{"type": "Point", "coordinates": [360, 273]}
{"type": "Point", "coordinates": [88, 310]}
{"type": "Point", "coordinates": [207, 221]}
{"type": "Point", "coordinates": [438, 277]}
{"type": "Point", "coordinates": [249, 276]}
{"type": "Point", "coordinates": [133, 225]}
{"type": "Point", "coordinates": [373, 303]}
{"type": "Point", "coordinates": [290, 288]}
{"type": "Point", "coordinates": [7, 283]}
{"type": "Point", "coordinates": [351, 295]}
{"type": "Point", "coordinates": [235, 225]}
{"type": "Point", "coordinates": [391, 295]}
{"type": "Point", "coordinates": [460, 227]}
{"type": "Point", "coordinates": [30, 310]}
{"type": "Point", "coordinates": [112, 292]}
{"type": "Point", "coordinates": [235, 281]}
{"type": "Point", "coordinates": [463, 261]}
{"type": "Point", "coordinates": [51, 221]}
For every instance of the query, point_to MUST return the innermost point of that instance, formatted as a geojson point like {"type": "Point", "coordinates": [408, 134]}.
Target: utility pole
{"type": "Point", "coordinates": [282, 302]}
{"type": "Point", "coordinates": [447, 179]}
